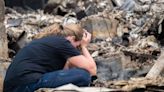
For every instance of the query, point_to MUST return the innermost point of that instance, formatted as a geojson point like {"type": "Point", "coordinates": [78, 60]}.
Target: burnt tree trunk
{"type": "Point", "coordinates": [3, 35]}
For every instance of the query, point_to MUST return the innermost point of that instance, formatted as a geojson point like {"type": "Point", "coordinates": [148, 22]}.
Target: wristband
{"type": "Point", "coordinates": [93, 78]}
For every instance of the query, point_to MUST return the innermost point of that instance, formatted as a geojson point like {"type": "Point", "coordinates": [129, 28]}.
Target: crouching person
{"type": "Point", "coordinates": [52, 60]}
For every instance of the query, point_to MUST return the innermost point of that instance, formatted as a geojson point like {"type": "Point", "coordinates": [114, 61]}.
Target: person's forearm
{"type": "Point", "coordinates": [66, 66]}
{"type": "Point", "coordinates": [90, 59]}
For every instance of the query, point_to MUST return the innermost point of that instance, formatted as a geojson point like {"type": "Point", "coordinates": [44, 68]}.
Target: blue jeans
{"type": "Point", "coordinates": [76, 76]}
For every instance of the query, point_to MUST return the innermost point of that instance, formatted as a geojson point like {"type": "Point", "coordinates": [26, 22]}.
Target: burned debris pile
{"type": "Point", "coordinates": [127, 35]}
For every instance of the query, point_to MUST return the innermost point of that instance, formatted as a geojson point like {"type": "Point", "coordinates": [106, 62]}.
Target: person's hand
{"type": "Point", "coordinates": [86, 39]}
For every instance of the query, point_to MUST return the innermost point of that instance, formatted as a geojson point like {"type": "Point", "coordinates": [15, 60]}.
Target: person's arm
{"type": "Point", "coordinates": [90, 60]}
{"type": "Point", "coordinates": [67, 65]}
{"type": "Point", "coordinates": [84, 61]}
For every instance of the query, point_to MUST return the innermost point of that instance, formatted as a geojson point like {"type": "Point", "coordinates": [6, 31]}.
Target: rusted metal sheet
{"type": "Point", "coordinates": [100, 27]}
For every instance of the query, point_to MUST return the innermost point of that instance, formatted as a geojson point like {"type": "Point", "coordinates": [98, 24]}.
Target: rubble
{"type": "Point", "coordinates": [127, 34]}
{"type": "Point", "coordinates": [138, 84]}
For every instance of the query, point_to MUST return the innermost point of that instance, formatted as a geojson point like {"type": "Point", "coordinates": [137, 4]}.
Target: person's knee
{"type": "Point", "coordinates": [84, 76]}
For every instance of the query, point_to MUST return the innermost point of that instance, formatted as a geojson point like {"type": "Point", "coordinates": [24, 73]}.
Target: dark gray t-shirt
{"type": "Point", "coordinates": [37, 58]}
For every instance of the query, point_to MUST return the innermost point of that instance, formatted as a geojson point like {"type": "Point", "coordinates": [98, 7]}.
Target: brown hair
{"type": "Point", "coordinates": [60, 30]}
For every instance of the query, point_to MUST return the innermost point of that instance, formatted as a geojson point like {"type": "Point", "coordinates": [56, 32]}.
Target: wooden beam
{"type": "Point", "coordinates": [3, 35]}
{"type": "Point", "coordinates": [157, 67]}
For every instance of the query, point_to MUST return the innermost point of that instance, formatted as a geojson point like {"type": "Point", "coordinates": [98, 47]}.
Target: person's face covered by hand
{"type": "Point", "coordinates": [84, 42]}
{"type": "Point", "coordinates": [73, 41]}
